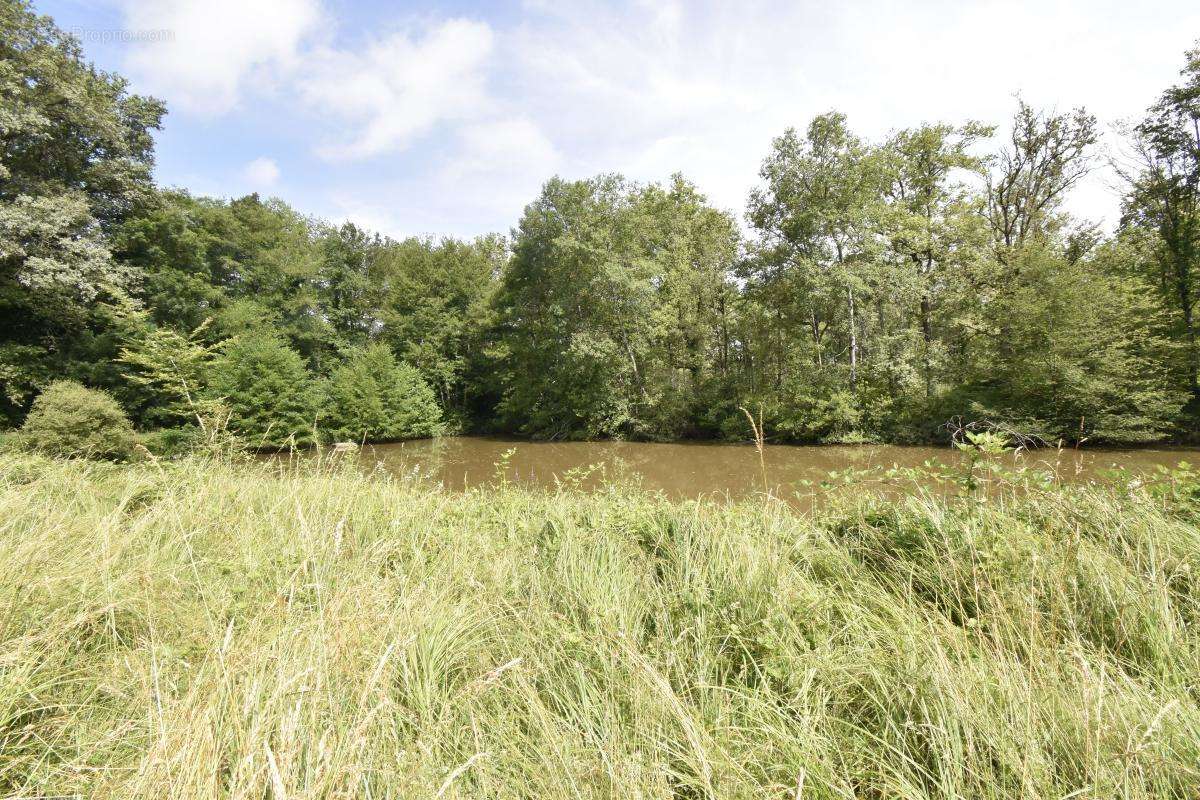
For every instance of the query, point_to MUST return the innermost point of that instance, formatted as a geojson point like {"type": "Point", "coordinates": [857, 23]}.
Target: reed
{"type": "Point", "coordinates": [200, 630]}
{"type": "Point", "coordinates": [760, 444]}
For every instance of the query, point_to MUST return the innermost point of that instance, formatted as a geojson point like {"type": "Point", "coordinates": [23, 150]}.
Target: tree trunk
{"type": "Point", "coordinates": [927, 335]}
{"type": "Point", "coordinates": [816, 334]}
{"type": "Point", "coordinates": [853, 343]}
{"type": "Point", "coordinates": [1189, 329]}
{"type": "Point", "coordinates": [724, 335]}
{"type": "Point", "coordinates": [1182, 270]}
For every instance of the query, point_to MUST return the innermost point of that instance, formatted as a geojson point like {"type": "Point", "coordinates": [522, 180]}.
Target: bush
{"type": "Point", "coordinates": [372, 396]}
{"type": "Point", "coordinates": [69, 419]}
{"type": "Point", "coordinates": [172, 442]}
{"type": "Point", "coordinates": [267, 390]}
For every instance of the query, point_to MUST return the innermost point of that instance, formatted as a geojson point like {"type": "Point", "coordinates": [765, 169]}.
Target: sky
{"type": "Point", "coordinates": [445, 118]}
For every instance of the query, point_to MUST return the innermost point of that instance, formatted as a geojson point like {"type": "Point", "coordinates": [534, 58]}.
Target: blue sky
{"type": "Point", "coordinates": [446, 117]}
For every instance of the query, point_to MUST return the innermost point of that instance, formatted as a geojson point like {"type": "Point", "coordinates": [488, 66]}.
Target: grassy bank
{"type": "Point", "coordinates": [199, 631]}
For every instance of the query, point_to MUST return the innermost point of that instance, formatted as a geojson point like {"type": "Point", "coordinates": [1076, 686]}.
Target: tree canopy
{"type": "Point", "coordinates": [872, 291]}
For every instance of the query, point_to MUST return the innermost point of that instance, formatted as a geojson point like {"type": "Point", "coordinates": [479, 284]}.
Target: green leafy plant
{"type": "Point", "coordinates": [173, 368]}
{"type": "Point", "coordinates": [502, 466]}
{"type": "Point", "coordinates": [980, 448]}
{"type": "Point", "coordinates": [372, 396]}
{"type": "Point", "coordinates": [267, 390]}
{"type": "Point", "coordinates": [71, 420]}
{"type": "Point", "coordinates": [174, 442]}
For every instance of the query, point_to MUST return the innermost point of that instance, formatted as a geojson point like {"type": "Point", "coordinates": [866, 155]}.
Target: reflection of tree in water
{"type": "Point", "coordinates": [419, 460]}
{"type": "Point", "coordinates": [714, 470]}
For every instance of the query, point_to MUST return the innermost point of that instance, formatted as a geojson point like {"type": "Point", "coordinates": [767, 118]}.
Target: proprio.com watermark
{"type": "Point", "coordinates": [122, 35]}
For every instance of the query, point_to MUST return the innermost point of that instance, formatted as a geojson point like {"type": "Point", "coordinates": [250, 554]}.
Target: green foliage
{"type": "Point", "coordinates": [372, 397]}
{"type": "Point", "coordinates": [70, 420]}
{"type": "Point", "coordinates": [887, 285]}
{"type": "Point", "coordinates": [609, 315]}
{"type": "Point", "coordinates": [269, 393]}
{"type": "Point", "coordinates": [67, 123]}
{"type": "Point", "coordinates": [186, 251]}
{"type": "Point", "coordinates": [980, 447]}
{"type": "Point", "coordinates": [847, 299]}
{"type": "Point", "coordinates": [173, 369]}
{"type": "Point", "coordinates": [1164, 201]}
{"type": "Point", "coordinates": [174, 442]}
{"type": "Point", "coordinates": [1048, 154]}
{"type": "Point", "coordinates": [1068, 353]}
{"type": "Point", "coordinates": [435, 313]}
{"type": "Point", "coordinates": [75, 158]}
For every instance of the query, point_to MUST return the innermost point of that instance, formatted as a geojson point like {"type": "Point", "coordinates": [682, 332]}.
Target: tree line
{"type": "Point", "coordinates": [877, 290]}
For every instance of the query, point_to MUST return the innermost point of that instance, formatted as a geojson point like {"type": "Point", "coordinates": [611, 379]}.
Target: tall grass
{"type": "Point", "coordinates": [200, 630]}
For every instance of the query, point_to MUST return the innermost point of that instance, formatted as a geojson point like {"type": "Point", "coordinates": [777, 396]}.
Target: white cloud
{"type": "Point", "coordinates": [373, 217]}
{"type": "Point", "coordinates": [215, 48]}
{"type": "Point", "coordinates": [400, 86]}
{"type": "Point", "coordinates": [504, 145]}
{"type": "Point", "coordinates": [493, 169]}
{"type": "Point", "coordinates": [261, 173]}
{"type": "Point", "coordinates": [668, 87]}
{"type": "Point", "coordinates": [702, 87]}
{"type": "Point", "coordinates": [498, 166]}
{"type": "Point", "coordinates": [457, 122]}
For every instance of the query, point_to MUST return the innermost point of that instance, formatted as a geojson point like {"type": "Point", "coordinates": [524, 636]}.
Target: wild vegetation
{"type": "Point", "coordinates": [210, 626]}
{"type": "Point", "coordinates": [198, 629]}
{"type": "Point", "coordinates": [68, 420]}
{"type": "Point", "coordinates": [878, 288]}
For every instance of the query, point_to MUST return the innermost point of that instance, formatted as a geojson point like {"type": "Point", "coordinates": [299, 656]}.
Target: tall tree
{"type": "Point", "coordinates": [1046, 155]}
{"type": "Point", "coordinates": [1165, 197]}
{"type": "Point", "coordinates": [1074, 352]}
{"type": "Point", "coordinates": [348, 284]}
{"type": "Point", "coordinates": [184, 250]}
{"type": "Point", "coordinates": [435, 309]}
{"type": "Point", "coordinates": [607, 307]}
{"type": "Point", "coordinates": [76, 152]}
{"type": "Point", "coordinates": [691, 248]}
{"type": "Point", "coordinates": [817, 216]}
{"type": "Point", "coordinates": [936, 229]}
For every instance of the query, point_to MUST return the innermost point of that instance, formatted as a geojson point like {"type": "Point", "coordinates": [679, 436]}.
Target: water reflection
{"type": "Point", "coordinates": [688, 470]}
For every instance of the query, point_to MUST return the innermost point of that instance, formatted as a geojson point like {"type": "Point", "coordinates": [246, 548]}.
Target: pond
{"type": "Point", "coordinates": [689, 470]}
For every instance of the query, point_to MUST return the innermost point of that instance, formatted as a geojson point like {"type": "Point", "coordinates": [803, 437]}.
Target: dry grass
{"type": "Point", "coordinates": [200, 631]}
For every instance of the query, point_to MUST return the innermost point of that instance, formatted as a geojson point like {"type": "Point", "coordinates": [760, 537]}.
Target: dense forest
{"type": "Point", "coordinates": [876, 290]}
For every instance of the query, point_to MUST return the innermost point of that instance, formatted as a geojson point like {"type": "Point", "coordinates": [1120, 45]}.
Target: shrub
{"type": "Point", "coordinates": [69, 419]}
{"type": "Point", "coordinates": [171, 442]}
{"type": "Point", "coordinates": [372, 396]}
{"type": "Point", "coordinates": [267, 390]}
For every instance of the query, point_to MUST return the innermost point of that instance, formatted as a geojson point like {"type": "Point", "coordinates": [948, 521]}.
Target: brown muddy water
{"type": "Point", "coordinates": [725, 471]}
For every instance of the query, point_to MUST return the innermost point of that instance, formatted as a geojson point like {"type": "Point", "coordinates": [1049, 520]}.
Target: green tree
{"type": "Point", "coordinates": [173, 371]}
{"type": "Point", "coordinates": [597, 332]}
{"type": "Point", "coordinates": [185, 251]}
{"type": "Point", "coordinates": [937, 238]}
{"type": "Point", "coordinates": [691, 248]}
{"type": "Point", "coordinates": [435, 312]}
{"type": "Point", "coordinates": [373, 397]}
{"type": "Point", "coordinates": [275, 279]}
{"type": "Point", "coordinates": [1047, 154]}
{"type": "Point", "coordinates": [76, 151]}
{"type": "Point", "coordinates": [816, 269]}
{"type": "Point", "coordinates": [1164, 197]}
{"type": "Point", "coordinates": [269, 393]}
{"type": "Point", "coordinates": [349, 287]}
{"type": "Point", "coordinates": [1073, 353]}
{"type": "Point", "coordinates": [69, 420]}
{"type": "Point", "coordinates": [569, 311]}
{"type": "Point", "coordinates": [248, 264]}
